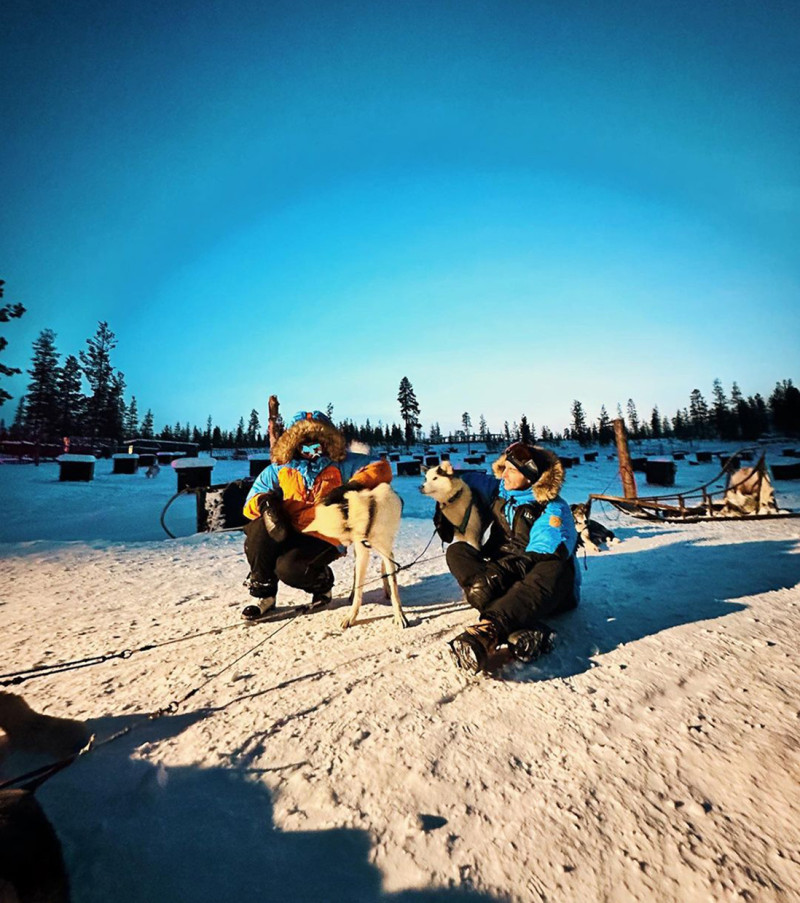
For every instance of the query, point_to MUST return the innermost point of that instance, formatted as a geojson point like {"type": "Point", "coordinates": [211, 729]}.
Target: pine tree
{"type": "Point", "coordinates": [70, 397]}
{"type": "Point", "coordinates": [655, 423]}
{"type": "Point", "coordinates": [239, 438]}
{"type": "Point", "coordinates": [633, 419]}
{"type": "Point", "coordinates": [147, 425]}
{"type": "Point", "coordinates": [579, 431]}
{"type": "Point", "coordinates": [132, 419]}
{"type": "Point", "coordinates": [96, 364]}
{"type": "Point", "coordinates": [721, 413]}
{"type": "Point", "coordinates": [7, 312]}
{"type": "Point", "coordinates": [605, 432]}
{"type": "Point", "coordinates": [698, 414]}
{"type": "Point", "coordinates": [409, 409]}
{"type": "Point", "coordinates": [784, 404]}
{"type": "Point", "coordinates": [482, 431]}
{"type": "Point", "coordinates": [524, 429]}
{"type": "Point", "coordinates": [253, 427]}
{"type": "Point", "coordinates": [41, 415]}
{"type": "Point", "coordinates": [466, 424]}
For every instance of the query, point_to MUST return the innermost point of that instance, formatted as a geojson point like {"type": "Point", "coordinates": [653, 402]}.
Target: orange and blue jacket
{"type": "Point", "coordinates": [302, 484]}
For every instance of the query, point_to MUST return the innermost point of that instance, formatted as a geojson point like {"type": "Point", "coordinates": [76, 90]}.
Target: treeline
{"type": "Point", "coordinates": [729, 418]}
{"type": "Point", "coordinates": [84, 396]}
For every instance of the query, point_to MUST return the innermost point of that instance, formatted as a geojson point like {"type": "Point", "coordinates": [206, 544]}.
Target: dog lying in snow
{"type": "Point", "coordinates": [590, 533]}
{"type": "Point", "coordinates": [455, 501]}
{"type": "Point", "coordinates": [366, 519]}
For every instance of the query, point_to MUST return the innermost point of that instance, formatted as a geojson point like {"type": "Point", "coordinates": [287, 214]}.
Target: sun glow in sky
{"type": "Point", "coordinates": [513, 204]}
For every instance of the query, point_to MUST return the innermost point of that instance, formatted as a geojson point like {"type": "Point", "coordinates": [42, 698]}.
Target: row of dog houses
{"type": "Point", "coordinates": [196, 472]}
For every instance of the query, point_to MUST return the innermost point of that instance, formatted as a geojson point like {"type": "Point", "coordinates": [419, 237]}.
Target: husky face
{"type": "Point", "coordinates": [440, 482]}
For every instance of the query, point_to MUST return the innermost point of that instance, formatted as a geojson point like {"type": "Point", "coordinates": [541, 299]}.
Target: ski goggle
{"type": "Point", "coordinates": [519, 455]}
{"type": "Point", "coordinates": [311, 415]}
{"type": "Point", "coordinates": [311, 451]}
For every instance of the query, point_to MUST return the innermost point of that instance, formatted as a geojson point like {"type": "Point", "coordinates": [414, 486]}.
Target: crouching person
{"type": "Point", "coordinates": [309, 464]}
{"type": "Point", "coordinates": [526, 569]}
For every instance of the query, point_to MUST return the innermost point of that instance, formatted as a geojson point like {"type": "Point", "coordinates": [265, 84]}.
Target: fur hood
{"type": "Point", "coordinates": [551, 473]}
{"type": "Point", "coordinates": [306, 432]}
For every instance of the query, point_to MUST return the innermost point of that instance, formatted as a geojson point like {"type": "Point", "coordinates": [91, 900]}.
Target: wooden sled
{"type": "Point", "coordinates": [747, 495]}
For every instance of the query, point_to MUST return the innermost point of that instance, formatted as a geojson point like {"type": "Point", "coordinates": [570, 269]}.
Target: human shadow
{"type": "Point", "coordinates": [626, 597]}
{"type": "Point", "coordinates": [135, 830]}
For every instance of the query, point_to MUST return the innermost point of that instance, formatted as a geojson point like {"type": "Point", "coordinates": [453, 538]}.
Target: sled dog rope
{"type": "Point", "coordinates": [33, 779]}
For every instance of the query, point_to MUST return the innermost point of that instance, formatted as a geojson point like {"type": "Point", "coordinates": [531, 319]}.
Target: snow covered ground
{"type": "Point", "coordinates": [654, 755]}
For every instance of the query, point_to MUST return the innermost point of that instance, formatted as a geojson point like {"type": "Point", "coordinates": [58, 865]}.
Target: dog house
{"type": "Point", "coordinates": [660, 471]}
{"type": "Point", "coordinates": [258, 463]}
{"type": "Point", "coordinates": [431, 460]}
{"type": "Point", "coordinates": [409, 468]}
{"type": "Point", "coordinates": [445, 456]}
{"type": "Point", "coordinates": [193, 473]}
{"type": "Point", "coordinates": [167, 457]}
{"type": "Point", "coordinates": [146, 459]}
{"type": "Point", "coordinates": [639, 465]}
{"type": "Point", "coordinates": [703, 457]}
{"type": "Point", "coordinates": [590, 457]}
{"type": "Point", "coordinates": [576, 460]}
{"type": "Point", "coordinates": [76, 468]}
{"type": "Point", "coordinates": [679, 456]}
{"type": "Point", "coordinates": [474, 459]}
{"type": "Point", "coordinates": [566, 462]}
{"type": "Point", "coordinates": [124, 463]}
{"type": "Point", "coordinates": [394, 457]}
{"type": "Point", "coordinates": [786, 471]}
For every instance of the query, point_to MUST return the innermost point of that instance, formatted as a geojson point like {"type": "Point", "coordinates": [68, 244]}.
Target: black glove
{"type": "Point", "coordinates": [274, 517]}
{"type": "Point", "coordinates": [443, 526]}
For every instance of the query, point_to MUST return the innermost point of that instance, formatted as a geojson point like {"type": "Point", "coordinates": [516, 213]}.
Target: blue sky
{"type": "Point", "coordinates": [513, 204]}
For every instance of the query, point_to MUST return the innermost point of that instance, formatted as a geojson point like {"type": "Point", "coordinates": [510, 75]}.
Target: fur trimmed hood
{"type": "Point", "coordinates": [551, 473]}
{"type": "Point", "coordinates": [307, 432]}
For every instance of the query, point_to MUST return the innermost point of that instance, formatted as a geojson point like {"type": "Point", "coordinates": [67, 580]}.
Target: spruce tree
{"type": "Point", "coordinates": [41, 415]}
{"type": "Point", "coordinates": [132, 419]}
{"type": "Point", "coordinates": [605, 432]}
{"type": "Point", "coordinates": [633, 419]}
{"type": "Point", "coordinates": [147, 425]}
{"type": "Point", "coordinates": [69, 397]}
{"type": "Point", "coordinates": [579, 430]}
{"type": "Point", "coordinates": [409, 409]}
{"type": "Point", "coordinates": [96, 364]}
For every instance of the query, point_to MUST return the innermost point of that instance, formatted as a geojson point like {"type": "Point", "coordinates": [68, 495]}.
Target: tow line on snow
{"type": "Point", "coordinates": [33, 779]}
{"type": "Point", "coordinates": [14, 678]}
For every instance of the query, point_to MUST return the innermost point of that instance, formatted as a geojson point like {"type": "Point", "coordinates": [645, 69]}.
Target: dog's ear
{"type": "Point", "coordinates": [445, 469]}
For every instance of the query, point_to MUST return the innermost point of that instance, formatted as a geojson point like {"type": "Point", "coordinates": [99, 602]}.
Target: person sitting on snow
{"type": "Point", "coordinates": [309, 464]}
{"type": "Point", "coordinates": [526, 568]}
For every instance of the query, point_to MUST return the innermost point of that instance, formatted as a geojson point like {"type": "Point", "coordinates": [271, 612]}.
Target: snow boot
{"type": "Point", "coordinates": [264, 594]}
{"type": "Point", "coordinates": [527, 645]}
{"type": "Point", "coordinates": [471, 649]}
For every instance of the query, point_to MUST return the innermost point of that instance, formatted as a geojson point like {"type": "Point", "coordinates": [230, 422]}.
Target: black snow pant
{"type": "Point", "coordinates": [300, 561]}
{"type": "Point", "coordinates": [548, 588]}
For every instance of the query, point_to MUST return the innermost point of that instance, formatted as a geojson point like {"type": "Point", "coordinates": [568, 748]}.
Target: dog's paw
{"type": "Point", "coordinates": [348, 622]}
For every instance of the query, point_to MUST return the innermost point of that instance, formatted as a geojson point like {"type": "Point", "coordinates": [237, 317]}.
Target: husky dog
{"type": "Point", "coordinates": [23, 729]}
{"type": "Point", "coordinates": [367, 519]}
{"type": "Point", "coordinates": [749, 492]}
{"type": "Point", "coordinates": [455, 502]}
{"type": "Point", "coordinates": [152, 471]}
{"type": "Point", "coordinates": [590, 532]}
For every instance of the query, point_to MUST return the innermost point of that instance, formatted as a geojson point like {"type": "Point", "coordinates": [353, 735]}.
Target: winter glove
{"type": "Point", "coordinates": [443, 526]}
{"type": "Point", "coordinates": [274, 517]}
{"type": "Point", "coordinates": [337, 494]}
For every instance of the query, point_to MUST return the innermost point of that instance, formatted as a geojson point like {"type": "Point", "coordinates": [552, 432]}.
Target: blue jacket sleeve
{"type": "Point", "coordinates": [485, 485]}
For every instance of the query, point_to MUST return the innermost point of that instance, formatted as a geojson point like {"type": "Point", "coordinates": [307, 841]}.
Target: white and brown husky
{"type": "Point", "coordinates": [455, 501]}
{"type": "Point", "coordinates": [366, 519]}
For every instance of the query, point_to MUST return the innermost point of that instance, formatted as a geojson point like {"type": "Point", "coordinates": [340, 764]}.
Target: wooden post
{"type": "Point", "coordinates": [625, 468]}
{"type": "Point", "coordinates": [274, 424]}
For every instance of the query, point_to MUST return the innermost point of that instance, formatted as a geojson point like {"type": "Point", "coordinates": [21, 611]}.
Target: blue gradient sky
{"type": "Point", "coordinates": [512, 204]}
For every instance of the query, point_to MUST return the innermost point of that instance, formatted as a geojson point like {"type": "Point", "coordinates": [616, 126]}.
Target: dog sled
{"type": "Point", "coordinates": [744, 494]}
